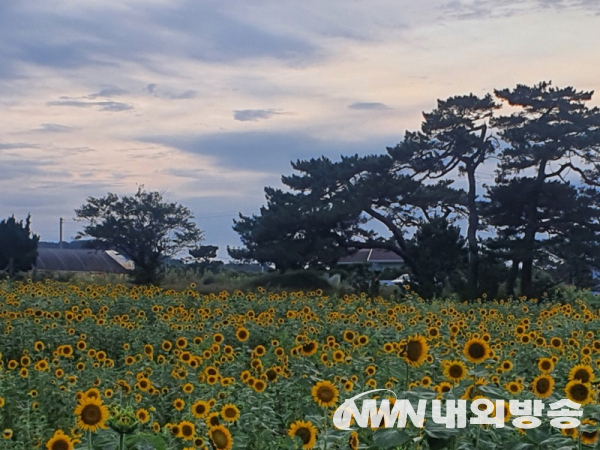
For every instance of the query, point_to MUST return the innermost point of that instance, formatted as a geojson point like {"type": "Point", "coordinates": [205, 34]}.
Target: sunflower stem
{"type": "Point", "coordinates": [477, 438]}
{"type": "Point", "coordinates": [90, 440]}
{"type": "Point", "coordinates": [325, 429]}
{"type": "Point", "coordinates": [121, 441]}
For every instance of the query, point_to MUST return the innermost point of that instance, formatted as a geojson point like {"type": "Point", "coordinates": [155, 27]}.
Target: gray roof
{"type": "Point", "coordinates": [77, 260]}
{"type": "Point", "coordinates": [371, 255]}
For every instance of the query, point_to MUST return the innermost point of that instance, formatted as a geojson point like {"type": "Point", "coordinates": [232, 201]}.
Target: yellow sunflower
{"type": "Point", "coordinates": [476, 350]}
{"type": "Point", "coordinates": [582, 373]}
{"type": "Point", "coordinates": [579, 392]}
{"type": "Point", "coordinates": [178, 404]}
{"type": "Point", "coordinates": [589, 437]}
{"type": "Point", "coordinates": [546, 365]}
{"type": "Point", "coordinates": [200, 409]}
{"type": "Point", "coordinates": [242, 334]}
{"type": "Point", "coordinates": [325, 393]}
{"type": "Point", "coordinates": [60, 441]}
{"type": "Point", "coordinates": [187, 430]}
{"type": "Point", "coordinates": [310, 348]}
{"type": "Point", "coordinates": [415, 350]}
{"type": "Point", "coordinates": [230, 413]}
{"type": "Point", "coordinates": [306, 431]}
{"type": "Point", "coordinates": [454, 371]}
{"type": "Point", "coordinates": [91, 414]}
{"type": "Point", "coordinates": [353, 441]}
{"type": "Point", "coordinates": [142, 415]}
{"type": "Point", "coordinates": [443, 387]}
{"type": "Point", "coordinates": [543, 386]}
{"type": "Point", "coordinates": [220, 437]}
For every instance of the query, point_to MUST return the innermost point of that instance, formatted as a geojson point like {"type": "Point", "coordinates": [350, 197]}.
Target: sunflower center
{"type": "Point", "coordinates": [477, 350]}
{"type": "Point", "coordinates": [582, 375]}
{"type": "Point", "coordinates": [455, 371]}
{"type": "Point", "coordinates": [219, 439]}
{"type": "Point", "coordinates": [543, 385]}
{"type": "Point", "coordinates": [91, 415]}
{"type": "Point", "coordinates": [580, 392]}
{"type": "Point", "coordinates": [325, 394]}
{"type": "Point", "coordinates": [304, 434]}
{"type": "Point", "coordinates": [590, 435]}
{"type": "Point", "coordinates": [186, 430]}
{"type": "Point", "coordinates": [414, 350]}
{"type": "Point", "coordinates": [60, 444]}
{"type": "Point", "coordinates": [308, 347]}
{"type": "Point", "coordinates": [230, 412]}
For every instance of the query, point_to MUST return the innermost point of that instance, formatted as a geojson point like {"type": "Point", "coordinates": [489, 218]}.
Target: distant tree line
{"type": "Point", "coordinates": [143, 227]}
{"type": "Point", "coordinates": [531, 227]}
{"type": "Point", "coordinates": [18, 246]}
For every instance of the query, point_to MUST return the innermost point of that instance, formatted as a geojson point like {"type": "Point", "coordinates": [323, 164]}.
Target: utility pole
{"type": "Point", "coordinates": [60, 242]}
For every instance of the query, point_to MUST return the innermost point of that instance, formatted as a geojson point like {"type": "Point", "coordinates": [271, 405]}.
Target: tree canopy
{"type": "Point", "coordinates": [144, 227]}
{"type": "Point", "coordinates": [18, 245]}
{"type": "Point", "coordinates": [540, 214]}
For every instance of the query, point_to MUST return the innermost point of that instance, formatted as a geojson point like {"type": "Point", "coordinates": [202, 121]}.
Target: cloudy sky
{"type": "Point", "coordinates": [209, 101]}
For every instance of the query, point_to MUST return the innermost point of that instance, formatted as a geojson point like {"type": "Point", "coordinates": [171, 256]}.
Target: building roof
{"type": "Point", "coordinates": [371, 255]}
{"type": "Point", "coordinates": [77, 260]}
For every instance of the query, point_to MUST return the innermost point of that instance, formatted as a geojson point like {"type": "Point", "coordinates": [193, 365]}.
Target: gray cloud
{"type": "Point", "coordinates": [67, 37]}
{"type": "Point", "coordinates": [102, 106]}
{"type": "Point", "coordinates": [485, 9]}
{"type": "Point", "coordinates": [184, 173]}
{"type": "Point", "coordinates": [27, 169]}
{"type": "Point", "coordinates": [252, 115]}
{"type": "Point", "coordinates": [108, 92]}
{"type": "Point", "coordinates": [15, 145]}
{"type": "Point", "coordinates": [185, 95]}
{"type": "Point", "coordinates": [369, 106]}
{"type": "Point", "coordinates": [270, 151]}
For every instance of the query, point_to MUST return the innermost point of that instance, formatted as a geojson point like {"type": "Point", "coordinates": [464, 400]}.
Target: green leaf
{"type": "Point", "coordinates": [105, 440]}
{"type": "Point", "coordinates": [519, 446]}
{"type": "Point", "coordinates": [388, 438]}
{"type": "Point", "coordinates": [145, 442]}
{"type": "Point", "coordinates": [440, 431]}
{"type": "Point", "coordinates": [437, 444]}
{"type": "Point", "coordinates": [493, 391]}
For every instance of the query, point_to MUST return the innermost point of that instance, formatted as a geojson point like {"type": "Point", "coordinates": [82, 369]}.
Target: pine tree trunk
{"type": "Point", "coordinates": [473, 271]}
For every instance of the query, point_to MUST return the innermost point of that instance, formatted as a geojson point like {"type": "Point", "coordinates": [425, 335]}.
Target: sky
{"type": "Point", "coordinates": [209, 101]}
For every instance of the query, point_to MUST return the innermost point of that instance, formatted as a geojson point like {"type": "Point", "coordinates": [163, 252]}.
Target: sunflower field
{"type": "Point", "coordinates": [110, 367]}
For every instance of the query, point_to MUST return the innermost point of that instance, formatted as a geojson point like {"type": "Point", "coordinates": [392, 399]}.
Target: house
{"type": "Point", "coordinates": [81, 260]}
{"type": "Point", "coordinates": [377, 259]}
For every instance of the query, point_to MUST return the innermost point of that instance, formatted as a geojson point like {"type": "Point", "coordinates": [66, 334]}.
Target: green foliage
{"type": "Point", "coordinates": [143, 227]}
{"type": "Point", "coordinates": [552, 133]}
{"type": "Point", "coordinates": [542, 229]}
{"type": "Point", "coordinates": [18, 246]}
{"type": "Point", "coordinates": [203, 257]}
{"type": "Point", "coordinates": [293, 281]}
{"type": "Point", "coordinates": [441, 257]}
